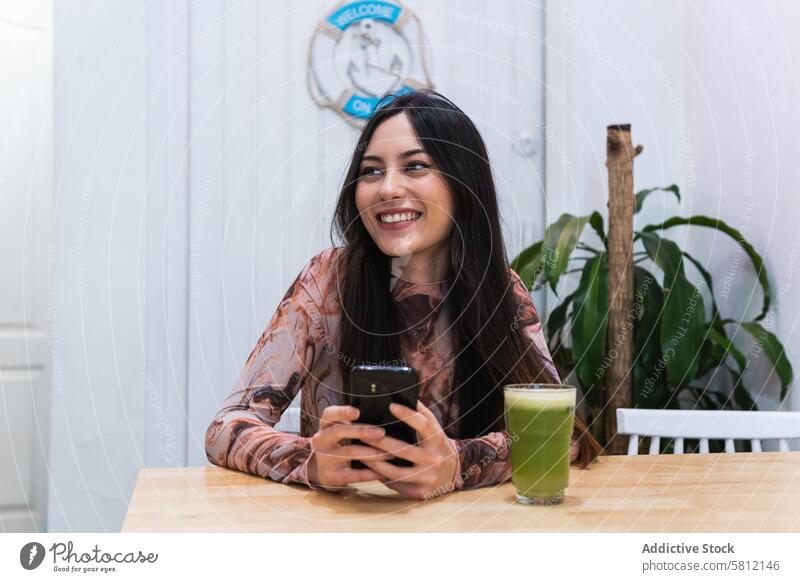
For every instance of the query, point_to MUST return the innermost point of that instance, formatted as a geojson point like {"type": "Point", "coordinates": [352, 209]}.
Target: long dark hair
{"type": "Point", "coordinates": [490, 351]}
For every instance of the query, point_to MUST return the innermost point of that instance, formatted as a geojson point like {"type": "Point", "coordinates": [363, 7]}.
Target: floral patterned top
{"type": "Point", "coordinates": [297, 352]}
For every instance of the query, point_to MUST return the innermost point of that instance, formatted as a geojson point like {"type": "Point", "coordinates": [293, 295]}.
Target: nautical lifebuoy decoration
{"type": "Point", "coordinates": [363, 50]}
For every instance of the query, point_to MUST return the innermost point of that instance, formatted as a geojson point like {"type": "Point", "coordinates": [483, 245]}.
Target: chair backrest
{"type": "Point", "coordinates": [290, 420]}
{"type": "Point", "coordinates": [704, 425]}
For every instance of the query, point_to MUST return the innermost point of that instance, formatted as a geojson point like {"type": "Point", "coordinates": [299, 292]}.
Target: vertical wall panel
{"type": "Point", "coordinates": [238, 154]}
{"type": "Point", "coordinates": [303, 156]}
{"type": "Point", "coordinates": [207, 215]}
{"type": "Point", "coordinates": [274, 140]}
{"type": "Point", "coordinates": [163, 261]}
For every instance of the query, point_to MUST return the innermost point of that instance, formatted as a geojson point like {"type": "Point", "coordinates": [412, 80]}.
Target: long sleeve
{"type": "Point", "coordinates": [241, 435]}
{"type": "Point", "coordinates": [486, 460]}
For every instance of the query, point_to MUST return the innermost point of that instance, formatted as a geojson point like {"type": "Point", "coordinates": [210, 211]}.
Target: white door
{"type": "Point", "coordinates": [25, 195]}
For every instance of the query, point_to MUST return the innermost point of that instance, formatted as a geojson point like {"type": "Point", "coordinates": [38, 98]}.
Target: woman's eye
{"type": "Point", "coordinates": [413, 166]}
{"type": "Point", "coordinates": [368, 171]}
{"type": "Point", "coordinates": [418, 166]}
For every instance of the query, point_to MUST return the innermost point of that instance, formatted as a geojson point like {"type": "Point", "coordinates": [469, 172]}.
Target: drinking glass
{"type": "Point", "coordinates": [540, 418]}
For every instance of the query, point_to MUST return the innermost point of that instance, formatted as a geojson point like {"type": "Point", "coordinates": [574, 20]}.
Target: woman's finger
{"type": "Point", "coordinates": [426, 411]}
{"type": "Point", "coordinates": [416, 420]}
{"type": "Point", "coordinates": [360, 452]}
{"type": "Point", "coordinates": [347, 453]}
{"type": "Point", "coordinates": [400, 449]}
{"type": "Point", "coordinates": [337, 432]}
{"type": "Point", "coordinates": [359, 475]}
{"type": "Point", "coordinates": [397, 474]}
{"type": "Point", "coordinates": [333, 414]}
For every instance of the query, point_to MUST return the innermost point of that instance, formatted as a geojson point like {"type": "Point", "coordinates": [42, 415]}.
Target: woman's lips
{"type": "Point", "coordinates": [397, 225]}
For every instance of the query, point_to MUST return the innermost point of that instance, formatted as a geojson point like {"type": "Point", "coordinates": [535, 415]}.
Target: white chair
{"type": "Point", "coordinates": [704, 425]}
{"type": "Point", "coordinates": [290, 420]}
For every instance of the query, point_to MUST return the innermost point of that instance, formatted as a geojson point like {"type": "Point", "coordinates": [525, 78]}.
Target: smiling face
{"type": "Point", "coordinates": [404, 202]}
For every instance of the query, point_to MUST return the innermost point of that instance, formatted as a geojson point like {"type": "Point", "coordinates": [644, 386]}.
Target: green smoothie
{"type": "Point", "coordinates": [540, 422]}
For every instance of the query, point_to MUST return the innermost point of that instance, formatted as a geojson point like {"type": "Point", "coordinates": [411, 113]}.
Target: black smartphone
{"type": "Point", "coordinates": [372, 390]}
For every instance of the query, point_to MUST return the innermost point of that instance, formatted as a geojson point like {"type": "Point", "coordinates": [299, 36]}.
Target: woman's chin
{"type": "Point", "coordinates": [397, 248]}
{"type": "Point", "coordinates": [397, 252]}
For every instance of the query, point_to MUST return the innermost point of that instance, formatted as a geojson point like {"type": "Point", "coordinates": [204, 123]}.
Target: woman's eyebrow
{"type": "Point", "coordinates": [404, 155]}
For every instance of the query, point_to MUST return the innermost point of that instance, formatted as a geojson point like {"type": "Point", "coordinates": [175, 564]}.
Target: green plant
{"type": "Point", "coordinates": [677, 341]}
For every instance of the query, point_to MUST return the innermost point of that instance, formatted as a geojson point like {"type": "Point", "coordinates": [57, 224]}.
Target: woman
{"type": "Point", "coordinates": [421, 278]}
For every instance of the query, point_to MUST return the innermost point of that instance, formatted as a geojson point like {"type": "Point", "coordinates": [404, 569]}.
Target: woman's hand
{"type": "Point", "coordinates": [573, 451]}
{"type": "Point", "coordinates": [329, 464]}
{"type": "Point", "coordinates": [435, 458]}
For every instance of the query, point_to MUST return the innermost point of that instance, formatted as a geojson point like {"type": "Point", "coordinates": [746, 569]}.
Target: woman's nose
{"type": "Point", "coordinates": [392, 184]}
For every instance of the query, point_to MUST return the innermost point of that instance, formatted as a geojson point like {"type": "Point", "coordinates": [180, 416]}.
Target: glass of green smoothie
{"type": "Point", "coordinates": [539, 418]}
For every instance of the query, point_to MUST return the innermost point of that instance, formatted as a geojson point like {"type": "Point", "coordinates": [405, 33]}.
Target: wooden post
{"type": "Point", "coordinates": [620, 153]}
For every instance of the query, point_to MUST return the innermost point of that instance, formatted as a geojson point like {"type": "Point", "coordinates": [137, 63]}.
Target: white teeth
{"type": "Point", "coordinates": [399, 217]}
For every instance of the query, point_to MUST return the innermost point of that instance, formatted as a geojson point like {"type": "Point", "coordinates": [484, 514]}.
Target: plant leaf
{"type": "Point", "coordinates": [774, 350]}
{"type": "Point", "coordinates": [683, 321]}
{"type": "Point", "coordinates": [642, 195]}
{"type": "Point", "coordinates": [589, 326]}
{"type": "Point", "coordinates": [558, 316]}
{"type": "Point", "coordinates": [562, 358]}
{"type": "Point", "coordinates": [728, 348]}
{"type": "Point", "coordinates": [712, 356]}
{"type": "Point", "coordinates": [648, 298]}
{"type": "Point", "coordinates": [740, 393]}
{"type": "Point", "coordinates": [682, 324]}
{"type": "Point", "coordinates": [526, 256]}
{"type": "Point", "coordinates": [650, 395]}
{"type": "Point", "coordinates": [648, 383]}
{"type": "Point", "coordinates": [716, 400]}
{"type": "Point", "coordinates": [665, 254]}
{"type": "Point", "coordinates": [755, 258]}
{"type": "Point", "coordinates": [709, 283]}
{"type": "Point", "coordinates": [704, 401]}
{"type": "Point", "coordinates": [596, 222]}
{"type": "Point", "coordinates": [682, 330]}
{"type": "Point", "coordinates": [560, 239]}
{"type": "Point", "coordinates": [708, 399]}
{"type": "Point", "coordinates": [528, 264]}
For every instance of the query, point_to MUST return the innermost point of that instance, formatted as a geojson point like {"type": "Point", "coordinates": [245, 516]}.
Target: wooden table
{"type": "Point", "coordinates": [743, 492]}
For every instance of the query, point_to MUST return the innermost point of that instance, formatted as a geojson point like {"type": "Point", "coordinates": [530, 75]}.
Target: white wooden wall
{"type": "Point", "coordinates": [208, 179]}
